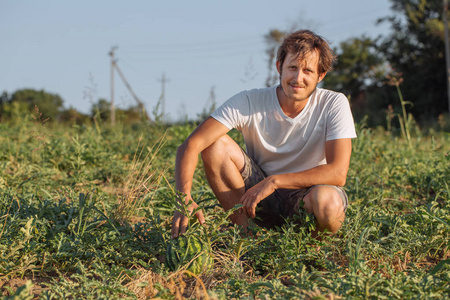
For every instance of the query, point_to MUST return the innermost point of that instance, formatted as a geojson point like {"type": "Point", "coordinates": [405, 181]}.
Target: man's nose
{"type": "Point", "coordinates": [299, 75]}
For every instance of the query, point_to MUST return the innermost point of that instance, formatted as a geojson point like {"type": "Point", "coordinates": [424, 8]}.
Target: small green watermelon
{"type": "Point", "coordinates": [188, 250]}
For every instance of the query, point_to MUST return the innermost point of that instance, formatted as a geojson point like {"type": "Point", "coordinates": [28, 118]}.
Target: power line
{"type": "Point", "coordinates": [202, 43]}
{"type": "Point", "coordinates": [197, 51]}
{"type": "Point", "coordinates": [182, 55]}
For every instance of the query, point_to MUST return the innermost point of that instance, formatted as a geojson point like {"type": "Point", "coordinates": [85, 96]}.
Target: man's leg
{"type": "Point", "coordinates": [223, 162]}
{"type": "Point", "coordinates": [327, 206]}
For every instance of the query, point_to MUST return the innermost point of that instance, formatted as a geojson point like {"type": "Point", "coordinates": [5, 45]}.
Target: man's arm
{"type": "Point", "coordinates": [186, 161]}
{"type": "Point", "coordinates": [334, 172]}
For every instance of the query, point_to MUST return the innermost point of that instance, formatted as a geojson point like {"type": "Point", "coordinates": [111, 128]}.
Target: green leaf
{"type": "Point", "coordinates": [439, 266]}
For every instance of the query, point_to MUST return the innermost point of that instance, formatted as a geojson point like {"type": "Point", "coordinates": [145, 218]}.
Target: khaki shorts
{"type": "Point", "coordinates": [283, 203]}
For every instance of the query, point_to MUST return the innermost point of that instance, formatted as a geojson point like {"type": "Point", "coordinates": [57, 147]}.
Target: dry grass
{"type": "Point", "coordinates": [181, 285]}
{"type": "Point", "coordinates": [141, 181]}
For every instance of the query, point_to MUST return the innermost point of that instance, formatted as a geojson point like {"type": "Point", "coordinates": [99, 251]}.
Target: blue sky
{"type": "Point", "coordinates": [62, 46]}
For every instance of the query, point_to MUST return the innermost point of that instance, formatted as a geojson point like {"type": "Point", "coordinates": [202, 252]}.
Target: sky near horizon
{"type": "Point", "coordinates": [198, 45]}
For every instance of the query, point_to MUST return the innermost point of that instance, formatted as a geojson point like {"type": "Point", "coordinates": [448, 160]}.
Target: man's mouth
{"type": "Point", "coordinates": [297, 86]}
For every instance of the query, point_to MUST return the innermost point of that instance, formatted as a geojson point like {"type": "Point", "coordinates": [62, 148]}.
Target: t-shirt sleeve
{"type": "Point", "coordinates": [234, 112]}
{"type": "Point", "coordinates": [340, 124]}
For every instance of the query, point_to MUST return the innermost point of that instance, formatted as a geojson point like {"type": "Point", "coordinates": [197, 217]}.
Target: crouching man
{"type": "Point", "coordinates": [298, 145]}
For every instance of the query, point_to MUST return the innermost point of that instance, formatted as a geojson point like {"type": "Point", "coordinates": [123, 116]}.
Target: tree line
{"type": "Point", "coordinates": [412, 53]}
{"type": "Point", "coordinates": [50, 107]}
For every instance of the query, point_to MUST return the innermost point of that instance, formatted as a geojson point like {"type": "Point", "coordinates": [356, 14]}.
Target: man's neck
{"type": "Point", "coordinates": [290, 107]}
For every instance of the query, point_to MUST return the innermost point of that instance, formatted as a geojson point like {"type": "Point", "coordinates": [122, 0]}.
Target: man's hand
{"type": "Point", "coordinates": [180, 221]}
{"type": "Point", "coordinates": [185, 163]}
{"type": "Point", "coordinates": [255, 195]}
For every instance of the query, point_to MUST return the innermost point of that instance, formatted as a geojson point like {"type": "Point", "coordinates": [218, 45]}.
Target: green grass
{"type": "Point", "coordinates": [86, 213]}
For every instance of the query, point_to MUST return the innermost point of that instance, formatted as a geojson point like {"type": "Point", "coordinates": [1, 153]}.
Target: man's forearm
{"type": "Point", "coordinates": [185, 164]}
{"type": "Point", "coordinates": [334, 172]}
{"type": "Point", "coordinates": [323, 174]}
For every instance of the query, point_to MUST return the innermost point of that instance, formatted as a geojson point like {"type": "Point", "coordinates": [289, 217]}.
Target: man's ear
{"type": "Point", "coordinates": [321, 76]}
{"type": "Point", "coordinates": [279, 67]}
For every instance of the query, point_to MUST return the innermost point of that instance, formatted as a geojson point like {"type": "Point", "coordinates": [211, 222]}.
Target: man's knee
{"type": "Point", "coordinates": [324, 202]}
{"type": "Point", "coordinates": [222, 150]}
{"type": "Point", "coordinates": [214, 149]}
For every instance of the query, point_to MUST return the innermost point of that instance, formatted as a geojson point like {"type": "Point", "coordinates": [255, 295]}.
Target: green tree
{"type": "Point", "coordinates": [416, 49]}
{"type": "Point", "coordinates": [22, 103]}
{"type": "Point", "coordinates": [131, 115]}
{"type": "Point", "coordinates": [72, 116]}
{"type": "Point", "coordinates": [101, 109]}
{"type": "Point", "coordinates": [50, 105]}
{"type": "Point", "coordinates": [359, 73]}
{"type": "Point", "coordinates": [4, 98]}
{"type": "Point", "coordinates": [358, 67]}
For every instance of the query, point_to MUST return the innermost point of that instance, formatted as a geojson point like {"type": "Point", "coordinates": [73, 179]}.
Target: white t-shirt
{"type": "Point", "coordinates": [280, 144]}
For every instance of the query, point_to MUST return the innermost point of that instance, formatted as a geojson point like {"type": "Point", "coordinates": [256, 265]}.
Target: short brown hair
{"type": "Point", "coordinates": [303, 42]}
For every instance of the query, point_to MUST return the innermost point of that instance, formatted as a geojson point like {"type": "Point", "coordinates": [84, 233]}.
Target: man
{"type": "Point", "coordinates": [298, 142]}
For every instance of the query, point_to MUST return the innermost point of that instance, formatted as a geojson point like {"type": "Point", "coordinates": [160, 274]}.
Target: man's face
{"type": "Point", "coordinates": [299, 78]}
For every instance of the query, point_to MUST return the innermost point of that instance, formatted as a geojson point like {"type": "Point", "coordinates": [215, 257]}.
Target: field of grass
{"type": "Point", "coordinates": [86, 212]}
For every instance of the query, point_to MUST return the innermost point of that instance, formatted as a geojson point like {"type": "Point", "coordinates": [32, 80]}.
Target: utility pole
{"type": "Point", "coordinates": [447, 50]}
{"type": "Point", "coordinates": [113, 64]}
{"type": "Point", "coordinates": [139, 102]}
{"type": "Point", "coordinates": [163, 81]}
